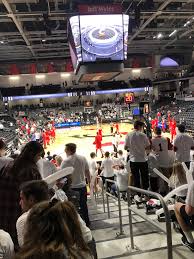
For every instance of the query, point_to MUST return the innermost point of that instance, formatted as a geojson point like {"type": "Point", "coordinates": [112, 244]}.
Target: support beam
{"type": "Point", "coordinates": [17, 24]}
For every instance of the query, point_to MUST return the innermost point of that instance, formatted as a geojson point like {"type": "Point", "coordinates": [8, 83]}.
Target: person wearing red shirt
{"type": "Point", "coordinates": [153, 122]}
{"type": "Point", "coordinates": [100, 132]}
{"type": "Point", "coordinates": [156, 122]}
{"type": "Point", "coordinates": [163, 125]}
{"type": "Point", "coordinates": [117, 127]}
{"type": "Point", "coordinates": [47, 137]}
{"type": "Point", "coordinates": [172, 127]}
{"type": "Point", "coordinates": [98, 143]}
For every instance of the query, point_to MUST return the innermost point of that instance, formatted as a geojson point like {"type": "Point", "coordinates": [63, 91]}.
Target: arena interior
{"type": "Point", "coordinates": [85, 72]}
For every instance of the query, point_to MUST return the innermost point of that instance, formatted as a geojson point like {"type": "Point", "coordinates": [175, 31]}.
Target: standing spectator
{"type": "Point", "coordinates": [77, 178]}
{"type": "Point", "coordinates": [183, 144]}
{"type": "Point", "coordinates": [185, 217]}
{"type": "Point", "coordinates": [24, 168]}
{"type": "Point", "coordinates": [161, 146]}
{"type": "Point", "coordinates": [6, 245]}
{"type": "Point", "coordinates": [107, 169]}
{"type": "Point", "coordinates": [92, 164]}
{"type": "Point", "coordinates": [137, 143]}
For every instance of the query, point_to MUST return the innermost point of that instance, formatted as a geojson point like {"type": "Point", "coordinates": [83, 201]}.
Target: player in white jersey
{"type": "Point", "coordinates": [161, 146]}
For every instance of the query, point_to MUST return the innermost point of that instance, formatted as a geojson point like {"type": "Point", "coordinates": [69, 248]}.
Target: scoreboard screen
{"type": "Point", "coordinates": [129, 97]}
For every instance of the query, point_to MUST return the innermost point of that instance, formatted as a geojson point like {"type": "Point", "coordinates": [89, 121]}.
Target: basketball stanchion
{"type": "Point", "coordinates": [168, 231]}
{"type": "Point", "coordinates": [121, 233]}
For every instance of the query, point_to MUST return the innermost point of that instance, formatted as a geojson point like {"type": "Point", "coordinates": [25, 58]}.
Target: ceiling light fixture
{"type": "Point", "coordinates": [14, 78]}
{"type": "Point", "coordinates": [159, 36]}
{"type": "Point", "coordinates": [172, 33]}
{"type": "Point", "coordinates": [65, 75]}
{"type": "Point", "coordinates": [40, 76]}
{"type": "Point", "coordinates": [137, 70]}
{"type": "Point", "coordinates": [43, 40]}
{"type": "Point", "coordinates": [2, 42]}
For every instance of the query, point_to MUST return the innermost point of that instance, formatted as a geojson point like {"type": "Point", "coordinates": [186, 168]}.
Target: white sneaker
{"type": "Point", "coordinates": [138, 198]}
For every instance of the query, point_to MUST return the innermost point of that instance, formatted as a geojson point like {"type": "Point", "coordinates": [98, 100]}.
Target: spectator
{"type": "Point", "coordinates": [49, 157]}
{"type": "Point", "coordinates": [161, 146]}
{"type": "Point", "coordinates": [53, 231]}
{"type": "Point", "coordinates": [45, 167]}
{"type": "Point", "coordinates": [59, 161]}
{"type": "Point", "coordinates": [23, 169]}
{"type": "Point", "coordinates": [77, 178]}
{"type": "Point", "coordinates": [92, 164]}
{"type": "Point", "coordinates": [183, 144]}
{"type": "Point", "coordinates": [3, 159]}
{"type": "Point", "coordinates": [185, 217]}
{"type": "Point", "coordinates": [6, 245]}
{"type": "Point", "coordinates": [137, 143]}
{"type": "Point", "coordinates": [107, 170]}
{"type": "Point", "coordinates": [31, 192]}
{"type": "Point", "coordinates": [178, 178]}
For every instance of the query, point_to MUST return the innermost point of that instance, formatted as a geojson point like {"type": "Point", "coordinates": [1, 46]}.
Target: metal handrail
{"type": "Point", "coordinates": [121, 233]}
{"type": "Point", "coordinates": [168, 231]}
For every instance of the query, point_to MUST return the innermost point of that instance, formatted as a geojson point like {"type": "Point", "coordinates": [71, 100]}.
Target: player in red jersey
{"type": "Point", "coordinates": [100, 132]}
{"type": "Point", "coordinates": [117, 127]}
{"type": "Point", "coordinates": [47, 137]}
{"type": "Point", "coordinates": [163, 125]}
{"type": "Point", "coordinates": [172, 127]}
{"type": "Point", "coordinates": [98, 143]}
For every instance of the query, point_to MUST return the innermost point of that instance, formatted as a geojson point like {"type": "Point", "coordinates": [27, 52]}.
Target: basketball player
{"type": "Point", "coordinates": [172, 127]}
{"type": "Point", "coordinates": [98, 143]}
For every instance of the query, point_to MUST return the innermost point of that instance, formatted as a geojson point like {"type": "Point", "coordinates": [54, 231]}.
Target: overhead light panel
{"type": "Point", "coordinates": [14, 78]}
{"type": "Point", "coordinates": [136, 71]}
{"type": "Point", "coordinates": [159, 36]}
{"type": "Point", "coordinates": [2, 42]}
{"type": "Point", "coordinates": [65, 75]}
{"type": "Point", "coordinates": [187, 23]}
{"type": "Point", "coordinates": [172, 33]}
{"type": "Point", "coordinates": [41, 76]}
{"type": "Point", "coordinates": [43, 40]}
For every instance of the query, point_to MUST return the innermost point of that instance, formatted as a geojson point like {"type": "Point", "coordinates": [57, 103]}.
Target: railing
{"type": "Point", "coordinates": [168, 231]}
{"type": "Point", "coordinates": [108, 194]}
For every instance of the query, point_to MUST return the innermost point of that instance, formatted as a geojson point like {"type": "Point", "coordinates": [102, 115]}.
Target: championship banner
{"type": "Point", "coordinates": [100, 9]}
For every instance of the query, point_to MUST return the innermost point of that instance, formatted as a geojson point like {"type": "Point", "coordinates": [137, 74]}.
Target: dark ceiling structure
{"type": "Point", "coordinates": [37, 29]}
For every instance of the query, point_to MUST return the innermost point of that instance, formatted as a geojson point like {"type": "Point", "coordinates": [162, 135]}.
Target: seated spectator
{"type": "Point", "coordinates": [49, 157]}
{"type": "Point", "coordinates": [6, 245]}
{"type": "Point", "coordinates": [53, 160]}
{"type": "Point", "coordinates": [178, 178]}
{"type": "Point", "coordinates": [59, 161]}
{"type": "Point", "coordinates": [23, 169]}
{"type": "Point", "coordinates": [53, 231]}
{"type": "Point", "coordinates": [185, 217]}
{"type": "Point", "coordinates": [33, 192]}
{"type": "Point", "coordinates": [3, 159]}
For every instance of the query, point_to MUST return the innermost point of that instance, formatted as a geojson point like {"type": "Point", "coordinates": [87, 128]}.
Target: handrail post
{"type": "Point", "coordinates": [166, 213]}
{"type": "Point", "coordinates": [103, 201]}
{"type": "Point", "coordinates": [107, 200]}
{"type": "Point", "coordinates": [120, 213]}
{"type": "Point", "coordinates": [130, 219]}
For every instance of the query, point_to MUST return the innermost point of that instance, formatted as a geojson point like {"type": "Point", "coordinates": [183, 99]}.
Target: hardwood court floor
{"type": "Point", "coordinates": [84, 137]}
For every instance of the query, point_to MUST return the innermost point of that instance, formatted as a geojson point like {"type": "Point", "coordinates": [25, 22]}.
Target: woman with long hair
{"type": "Point", "coordinates": [22, 169]}
{"type": "Point", "coordinates": [178, 178]}
{"type": "Point", "coordinates": [53, 231]}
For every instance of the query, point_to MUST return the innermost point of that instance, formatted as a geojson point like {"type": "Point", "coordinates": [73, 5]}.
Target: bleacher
{"type": "Point", "coordinates": [45, 89]}
{"type": "Point", "coordinates": [12, 91]}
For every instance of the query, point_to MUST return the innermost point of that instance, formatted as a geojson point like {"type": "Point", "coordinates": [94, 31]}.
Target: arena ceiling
{"type": "Point", "coordinates": [37, 29]}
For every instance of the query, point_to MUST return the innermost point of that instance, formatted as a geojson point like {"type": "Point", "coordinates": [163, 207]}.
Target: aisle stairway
{"type": "Point", "coordinates": [149, 242]}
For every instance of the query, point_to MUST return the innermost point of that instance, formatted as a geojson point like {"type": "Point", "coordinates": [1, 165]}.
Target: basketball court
{"type": "Point", "coordinates": [84, 138]}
